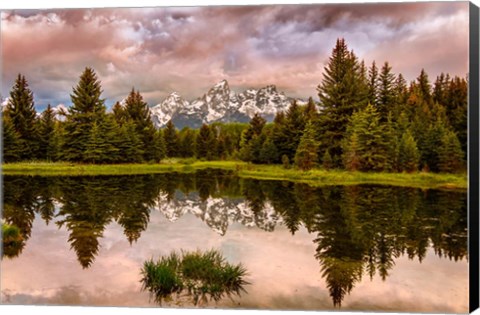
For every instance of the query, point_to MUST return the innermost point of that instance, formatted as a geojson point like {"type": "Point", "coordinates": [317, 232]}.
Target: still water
{"type": "Point", "coordinates": [373, 248]}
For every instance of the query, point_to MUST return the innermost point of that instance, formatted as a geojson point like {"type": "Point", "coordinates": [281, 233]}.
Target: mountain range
{"type": "Point", "coordinates": [220, 104]}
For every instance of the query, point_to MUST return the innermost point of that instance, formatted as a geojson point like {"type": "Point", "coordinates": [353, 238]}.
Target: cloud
{"type": "Point", "coordinates": [189, 49]}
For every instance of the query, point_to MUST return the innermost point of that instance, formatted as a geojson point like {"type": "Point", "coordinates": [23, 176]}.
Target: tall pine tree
{"type": "Point", "coordinates": [171, 139]}
{"type": "Point", "coordinates": [409, 156]}
{"type": "Point", "coordinates": [137, 111]}
{"type": "Point", "coordinates": [306, 154]}
{"type": "Point", "coordinates": [11, 141]}
{"type": "Point", "coordinates": [386, 92]}
{"type": "Point", "coordinates": [21, 112]}
{"type": "Point", "coordinates": [341, 93]}
{"type": "Point", "coordinates": [48, 149]}
{"type": "Point", "coordinates": [88, 109]}
{"type": "Point", "coordinates": [365, 137]}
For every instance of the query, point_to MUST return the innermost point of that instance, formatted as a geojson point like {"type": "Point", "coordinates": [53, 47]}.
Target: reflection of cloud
{"type": "Point", "coordinates": [75, 295]}
{"type": "Point", "coordinates": [188, 49]}
{"type": "Point", "coordinates": [279, 279]}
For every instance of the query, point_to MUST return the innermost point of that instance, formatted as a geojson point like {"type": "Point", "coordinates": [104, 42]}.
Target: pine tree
{"type": "Point", "coordinates": [450, 153]}
{"type": "Point", "coordinates": [310, 110]}
{"type": "Point", "coordinates": [457, 109]}
{"type": "Point", "coordinates": [94, 148]}
{"type": "Point", "coordinates": [251, 143]}
{"type": "Point", "coordinates": [161, 149]}
{"type": "Point", "coordinates": [386, 92]}
{"type": "Point", "coordinates": [137, 110]}
{"type": "Point", "coordinates": [129, 145]}
{"type": "Point", "coordinates": [277, 134]}
{"type": "Point", "coordinates": [11, 141]}
{"type": "Point", "coordinates": [111, 137]}
{"type": "Point", "coordinates": [48, 149]}
{"type": "Point", "coordinates": [432, 144]}
{"type": "Point", "coordinates": [119, 113]}
{"type": "Point", "coordinates": [306, 155]}
{"type": "Point", "coordinates": [269, 151]}
{"type": "Point", "coordinates": [366, 135]}
{"type": "Point", "coordinates": [186, 143]}
{"type": "Point", "coordinates": [351, 154]}
{"type": "Point", "coordinates": [424, 86]}
{"type": "Point", "coordinates": [341, 92]}
{"type": "Point", "coordinates": [401, 96]}
{"type": "Point", "coordinates": [171, 139]}
{"type": "Point", "coordinates": [21, 112]}
{"type": "Point", "coordinates": [327, 162]}
{"type": "Point", "coordinates": [255, 147]}
{"type": "Point", "coordinates": [59, 140]}
{"type": "Point", "coordinates": [295, 123]}
{"type": "Point", "coordinates": [373, 85]}
{"type": "Point", "coordinates": [393, 144]}
{"type": "Point", "coordinates": [409, 156]}
{"type": "Point", "coordinates": [205, 143]}
{"type": "Point", "coordinates": [88, 109]}
{"type": "Point", "coordinates": [440, 89]}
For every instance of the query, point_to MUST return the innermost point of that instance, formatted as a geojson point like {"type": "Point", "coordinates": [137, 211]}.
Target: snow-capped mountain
{"type": "Point", "coordinates": [222, 104]}
{"type": "Point", "coordinates": [219, 213]}
{"type": "Point", "coordinates": [60, 111]}
{"type": "Point", "coordinates": [4, 104]}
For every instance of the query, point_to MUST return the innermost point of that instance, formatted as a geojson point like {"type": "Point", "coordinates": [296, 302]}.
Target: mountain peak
{"type": "Point", "coordinates": [221, 84]}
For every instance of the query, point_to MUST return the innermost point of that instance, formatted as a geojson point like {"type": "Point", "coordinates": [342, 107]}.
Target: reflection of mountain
{"type": "Point", "coordinates": [219, 213]}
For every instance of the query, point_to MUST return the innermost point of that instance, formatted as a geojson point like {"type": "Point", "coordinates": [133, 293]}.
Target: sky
{"type": "Point", "coordinates": [158, 50]}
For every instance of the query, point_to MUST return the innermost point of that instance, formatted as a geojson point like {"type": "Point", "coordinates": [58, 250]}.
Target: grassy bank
{"type": "Point", "coordinates": [316, 177]}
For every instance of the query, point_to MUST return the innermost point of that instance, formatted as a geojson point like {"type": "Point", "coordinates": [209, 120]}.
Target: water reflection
{"type": "Point", "coordinates": [359, 230]}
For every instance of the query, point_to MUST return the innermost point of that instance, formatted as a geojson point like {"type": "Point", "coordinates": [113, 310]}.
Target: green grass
{"type": "Point", "coordinates": [201, 276]}
{"type": "Point", "coordinates": [316, 177]}
{"type": "Point", "coordinates": [12, 240]}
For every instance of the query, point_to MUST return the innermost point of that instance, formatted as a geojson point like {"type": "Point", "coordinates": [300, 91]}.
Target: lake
{"type": "Point", "coordinates": [364, 247]}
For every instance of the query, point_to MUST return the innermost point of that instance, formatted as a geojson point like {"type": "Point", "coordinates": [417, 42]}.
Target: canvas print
{"type": "Point", "coordinates": [277, 157]}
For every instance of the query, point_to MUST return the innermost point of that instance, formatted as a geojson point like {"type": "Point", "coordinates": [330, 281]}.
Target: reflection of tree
{"type": "Point", "coordinates": [206, 184]}
{"type": "Point", "coordinates": [45, 199]}
{"type": "Point", "coordinates": [133, 200]}
{"type": "Point", "coordinates": [91, 203]}
{"type": "Point", "coordinates": [20, 201]}
{"type": "Point", "coordinates": [449, 214]}
{"type": "Point", "coordinates": [254, 196]}
{"type": "Point", "coordinates": [282, 198]}
{"type": "Point", "coordinates": [365, 228]}
{"type": "Point", "coordinates": [86, 210]}
{"type": "Point", "coordinates": [339, 249]}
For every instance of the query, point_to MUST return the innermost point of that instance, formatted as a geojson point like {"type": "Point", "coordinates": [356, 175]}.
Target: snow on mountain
{"type": "Point", "coordinates": [60, 111]}
{"type": "Point", "coordinates": [4, 104]}
{"type": "Point", "coordinates": [165, 111]}
{"type": "Point", "coordinates": [219, 213]}
{"type": "Point", "coordinates": [220, 103]}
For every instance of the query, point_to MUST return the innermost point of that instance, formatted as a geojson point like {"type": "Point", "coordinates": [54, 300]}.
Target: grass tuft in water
{"type": "Point", "coordinates": [198, 276]}
{"type": "Point", "coordinates": [12, 240]}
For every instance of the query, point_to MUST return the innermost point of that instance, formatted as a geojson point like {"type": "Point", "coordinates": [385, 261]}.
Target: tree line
{"type": "Point", "coordinates": [368, 119]}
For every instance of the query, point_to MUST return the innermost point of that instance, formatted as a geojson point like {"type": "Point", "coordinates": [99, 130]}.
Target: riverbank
{"type": "Point", "coordinates": [315, 177]}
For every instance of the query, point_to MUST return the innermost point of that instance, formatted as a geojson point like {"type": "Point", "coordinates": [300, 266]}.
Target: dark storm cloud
{"type": "Point", "coordinates": [188, 49]}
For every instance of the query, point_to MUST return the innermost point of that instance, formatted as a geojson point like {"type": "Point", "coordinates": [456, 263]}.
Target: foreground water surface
{"type": "Point", "coordinates": [365, 247]}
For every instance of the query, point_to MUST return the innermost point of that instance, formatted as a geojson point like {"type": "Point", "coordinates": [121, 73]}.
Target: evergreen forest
{"type": "Point", "coordinates": [367, 119]}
